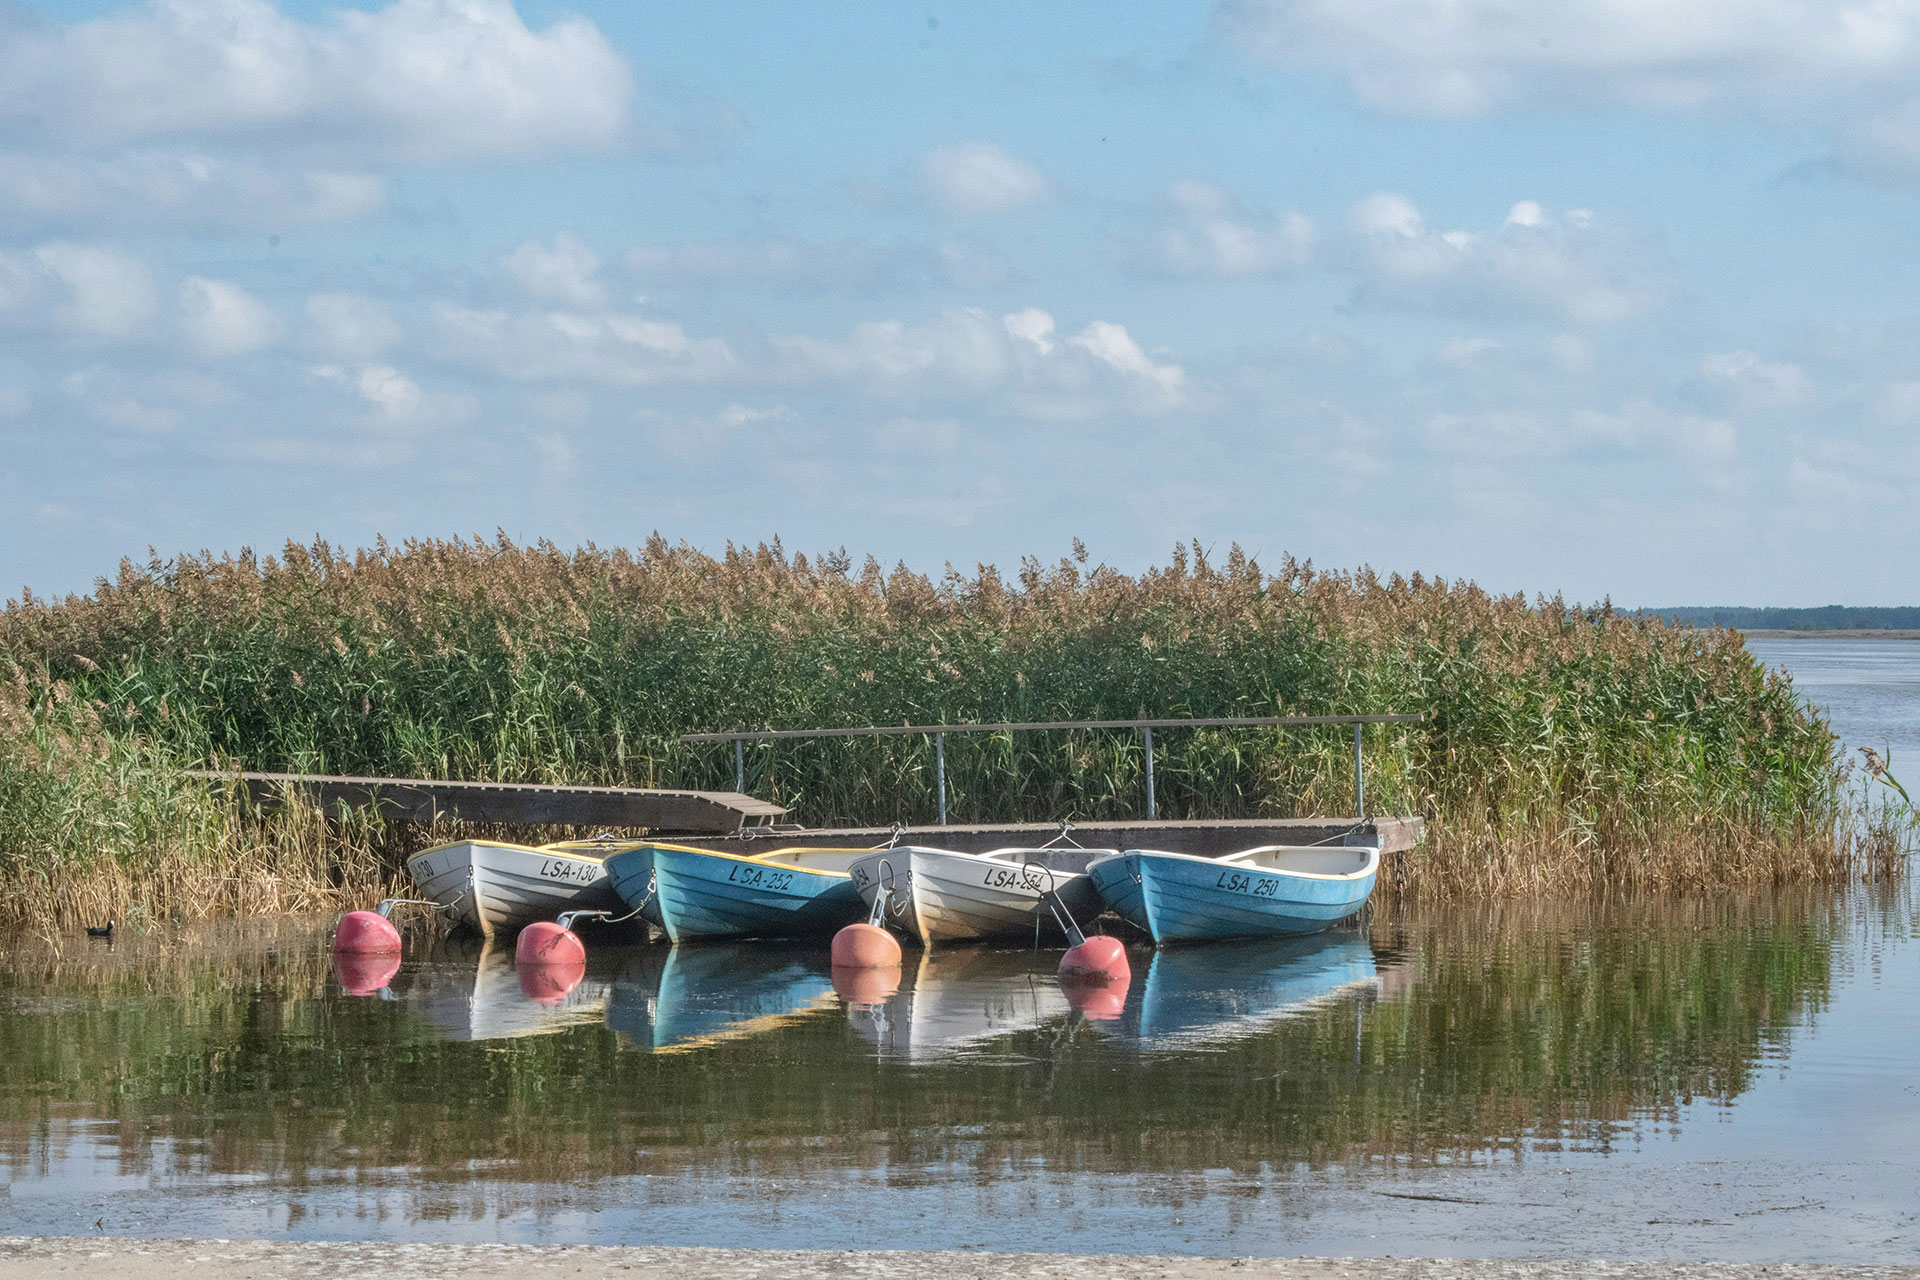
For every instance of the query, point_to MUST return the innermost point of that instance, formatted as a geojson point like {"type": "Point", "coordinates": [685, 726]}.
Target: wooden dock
{"type": "Point", "coordinates": [705, 813]}
{"type": "Point", "coordinates": [1208, 837]}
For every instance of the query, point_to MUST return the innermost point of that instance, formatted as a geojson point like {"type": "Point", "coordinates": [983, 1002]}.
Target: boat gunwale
{"type": "Point", "coordinates": [544, 850]}
{"type": "Point", "coordinates": [762, 859]}
{"type": "Point", "coordinates": [1371, 867]}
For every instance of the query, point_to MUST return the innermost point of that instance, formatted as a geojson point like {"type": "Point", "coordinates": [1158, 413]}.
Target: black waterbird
{"type": "Point", "coordinates": [107, 932]}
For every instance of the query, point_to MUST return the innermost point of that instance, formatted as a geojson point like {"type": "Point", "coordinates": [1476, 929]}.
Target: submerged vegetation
{"type": "Point", "coordinates": [1561, 747]}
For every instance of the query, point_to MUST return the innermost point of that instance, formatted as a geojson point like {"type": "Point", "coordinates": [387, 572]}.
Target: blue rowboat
{"type": "Point", "coordinates": [782, 893]}
{"type": "Point", "coordinates": [1275, 889]}
{"type": "Point", "coordinates": [631, 872]}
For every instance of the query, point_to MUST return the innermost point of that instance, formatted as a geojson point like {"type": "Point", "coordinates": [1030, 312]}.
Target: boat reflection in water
{"type": "Point", "coordinates": [471, 991]}
{"type": "Point", "coordinates": [1225, 991]}
{"type": "Point", "coordinates": [688, 997]}
{"type": "Point", "coordinates": [954, 1001]}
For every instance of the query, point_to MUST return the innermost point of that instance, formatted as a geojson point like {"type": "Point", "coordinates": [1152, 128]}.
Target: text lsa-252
{"type": "Point", "coordinates": [566, 869]}
{"type": "Point", "coordinates": [760, 877]}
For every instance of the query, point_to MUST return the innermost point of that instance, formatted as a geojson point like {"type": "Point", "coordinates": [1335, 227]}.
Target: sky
{"type": "Point", "coordinates": [1605, 298]}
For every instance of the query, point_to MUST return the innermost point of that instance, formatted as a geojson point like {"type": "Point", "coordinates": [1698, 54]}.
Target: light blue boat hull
{"type": "Point", "coordinates": [712, 895]}
{"type": "Point", "coordinates": [632, 876]}
{"type": "Point", "coordinates": [1192, 899]}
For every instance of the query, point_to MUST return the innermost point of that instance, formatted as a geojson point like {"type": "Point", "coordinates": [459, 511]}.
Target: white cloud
{"type": "Point", "coordinates": [811, 266]}
{"type": "Point", "coordinates": [1756, 382]}
{"type": "Point", "coordinates": [1570, 354]}
{"type": "Point", "coordinates": [1463, 57]}
{"type": "Point", "coordinates": [1462, 352]}
{"type": "Point", "coordinates": [1207, 233]}
{"type": "Point", "coordinates": [917, 435]}
{"type": "Point", "coordinates": [149, 405]}
{"type": "Point", "coordinates": [82, 289]}
{"type": "Point", "coordinates": [1110, 344]}
{"type": "Point", "coordinates": [222, 319]}
{"type": "Point", "coordinates": [178, 189]}
{"type": "Point", "coordinates": [971, 178]}
{"type": "Point", "coordinates": [1642, 424]}
{"type": "Point", "coordinates": [1850, 65]}
{"type": "Point", "coordinates": [713, 436]}
{"type": "Point", "coordinates": [1014, 365]}
{"type": "Point", "coordinates": [1638, 426]}
{"type": "Point", "coordinates": [558, 460]}
{"type": "Point", "coordinates": [396, 400]}
{"type": "Point", "coordinates": [1032, 326]}
{"type": "Point", "coordinates": [349, 327]}
{"type": "Point", "coordinates": [1494, 434]}
{"type": "Point", "coordinates": [1570, 265]}
{"type": "Point", "coordinates": [1898, 405]}
{"type": "Point", "coordinates": [433, 79]}
{"type": "Point", "coordinates": [617, 349]}
{"type": "Point", "coordinates": [961, 348]}
{"type": "Point", "coordinates": [563, 274]}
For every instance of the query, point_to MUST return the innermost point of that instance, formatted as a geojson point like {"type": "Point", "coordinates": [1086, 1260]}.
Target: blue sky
{"type": "Point", "coordinates": [1598, 298]}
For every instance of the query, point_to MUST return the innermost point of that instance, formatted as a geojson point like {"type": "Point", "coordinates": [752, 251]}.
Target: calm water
{"type": "Point", "coordinates": [1728, 1078]}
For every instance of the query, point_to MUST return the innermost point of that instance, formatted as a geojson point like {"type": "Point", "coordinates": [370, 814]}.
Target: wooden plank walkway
{"type": "Point", "coordinates": [718, 813]}
{"type": "Point", "coordinates": [1208, 837]}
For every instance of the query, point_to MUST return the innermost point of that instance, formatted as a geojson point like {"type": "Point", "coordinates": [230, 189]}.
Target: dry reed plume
{"type": "Point", "coordinates": [1562, 746]}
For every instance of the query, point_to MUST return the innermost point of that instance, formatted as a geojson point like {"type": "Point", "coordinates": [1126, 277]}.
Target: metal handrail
{"type": "Point", "coordinates": [754, 735]}
{"type": "Point", "coordinates": [939, 732]}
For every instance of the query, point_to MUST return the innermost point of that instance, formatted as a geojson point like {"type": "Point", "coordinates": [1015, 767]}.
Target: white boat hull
{"type": "Point", "coordinates": [942, 896]}
{"type": "Point", "coordinates": [497, 888]}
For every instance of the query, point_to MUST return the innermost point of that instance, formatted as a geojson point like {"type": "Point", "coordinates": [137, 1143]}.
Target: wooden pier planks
{"type": "Point", "coordinates": [1205, 837]}
{"type": "Point", "coordinates": [718, 813]}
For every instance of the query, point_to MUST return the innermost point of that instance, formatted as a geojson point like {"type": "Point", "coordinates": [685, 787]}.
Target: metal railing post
{"type": "Point", "coordinates": [1153, 810]}
{"type": "Point", "coordinates": [1359, 777]}
{"type": "Point", "coordinates": [739, 766]}
{"type": "Point", "coordinates": [940, 772]}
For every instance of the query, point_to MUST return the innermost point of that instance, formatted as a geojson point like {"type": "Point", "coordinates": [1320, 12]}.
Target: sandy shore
{"type": "Point", "coordinates": [36, 1257]}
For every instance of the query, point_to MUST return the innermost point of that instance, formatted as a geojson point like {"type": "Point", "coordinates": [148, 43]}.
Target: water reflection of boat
{"type": "Point", "coordinates": [476, 993]}
{"type": "Point", "coordinates": [952, 1001]}
{"type": "Point", "coordinates": [1199, 995]}
{"type": "Point", "coordinates": [683, 998]}
{"type": "Point", "coordinates": [941, 895]}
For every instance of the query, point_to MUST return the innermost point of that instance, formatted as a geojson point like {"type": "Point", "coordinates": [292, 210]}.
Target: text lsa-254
{"type": "Point", "coordinates": [1026, 876]}
{"type": "Point", "coordinates": [1241, 882]}
{"type": "Point", "coordinates": [570, 871]}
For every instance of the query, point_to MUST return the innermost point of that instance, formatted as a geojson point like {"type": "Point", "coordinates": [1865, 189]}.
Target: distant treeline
{"type": "Point", "coordinates": [1831, 617]}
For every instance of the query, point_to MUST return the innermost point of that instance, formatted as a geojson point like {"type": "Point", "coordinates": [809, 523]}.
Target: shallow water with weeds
{"type": "Point", "coordinates": [1729, 1077]}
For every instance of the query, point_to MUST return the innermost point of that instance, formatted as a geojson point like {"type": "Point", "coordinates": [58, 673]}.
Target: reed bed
{"type": "Point", "coordinates": [1562, 747]}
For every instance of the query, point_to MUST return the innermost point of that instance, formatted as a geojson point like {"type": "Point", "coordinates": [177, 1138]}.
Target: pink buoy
{"type": "Point", "coordinates": [364, 972]}
{"type": "Point", "coordinates": [1099, 958]}
{"type": "Point", "coordinates": [550, 983]}
{"type": "Point", "coordinates": [544, 942]}
{"type": "Point", "coordinates": [365, 933]}
{"type": "Point", "coordinates": [865, 946]}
